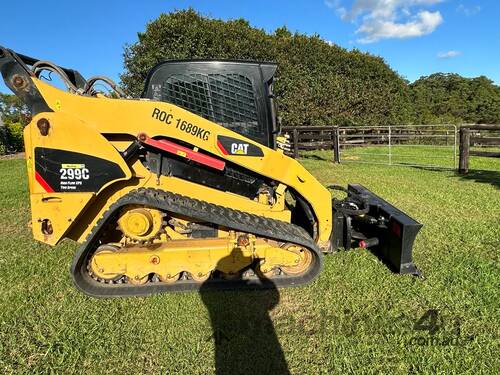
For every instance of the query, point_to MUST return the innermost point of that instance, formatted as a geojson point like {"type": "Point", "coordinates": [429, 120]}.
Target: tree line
{"type": "Point", "coordinates": [317, 83]}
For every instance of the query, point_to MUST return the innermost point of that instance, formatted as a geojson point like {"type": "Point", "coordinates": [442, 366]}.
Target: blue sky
{"type": "Point", "coordinates": [415, 37]}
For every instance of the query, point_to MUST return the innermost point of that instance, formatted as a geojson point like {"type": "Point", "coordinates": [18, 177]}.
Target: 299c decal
{"type": "Point", "coordinates": [180, 124]}
{"type": "Point", "coordinates": [72, 175]}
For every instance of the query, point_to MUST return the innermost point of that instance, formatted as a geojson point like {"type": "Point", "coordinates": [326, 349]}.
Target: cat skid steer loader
{"type": "Point", "coordinates": [185, 185]}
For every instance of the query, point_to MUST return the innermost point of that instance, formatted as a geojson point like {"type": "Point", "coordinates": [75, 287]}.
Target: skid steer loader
{"type": "Point", "coordinates": [185, 185]}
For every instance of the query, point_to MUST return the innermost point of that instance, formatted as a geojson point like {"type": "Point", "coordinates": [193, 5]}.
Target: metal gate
{"type": "Point", "coordinates": [432, 146]}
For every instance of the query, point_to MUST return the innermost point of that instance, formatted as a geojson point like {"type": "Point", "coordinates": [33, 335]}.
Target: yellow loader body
{"type": "Point", "coordinates": [186, 186]}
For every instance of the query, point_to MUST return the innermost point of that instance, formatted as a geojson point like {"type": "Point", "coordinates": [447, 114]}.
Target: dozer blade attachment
{"type": "Point", "coordinates": [365, 220]}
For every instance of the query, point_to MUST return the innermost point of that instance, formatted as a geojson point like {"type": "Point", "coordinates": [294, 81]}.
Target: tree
{"type": "Point", "coordinates": [317, 83]}
{"type": "Point", "coordinates": [12, 109]}
{"type": "Point", "coordinates": [451, 98]}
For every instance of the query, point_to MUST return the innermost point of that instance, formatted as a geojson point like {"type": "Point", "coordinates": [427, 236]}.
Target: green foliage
{"type": "Point", "coordinates": [15, 136]}
{"type": "Point", "coordinates": [12, 109]}
{"type": "Point", "coordinates": [14, 116]}
{"type": "Point", "coordinates": [451, 98]}
{"type": "Point", "coordinates": [317, 83]}
{"type": "Point", "coordinates": [4, 136]}
{"type": "Point", "coordinates": [11, 137]}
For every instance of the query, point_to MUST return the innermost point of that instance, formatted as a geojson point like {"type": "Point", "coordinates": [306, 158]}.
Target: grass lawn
{"type": "Point", "coordinates": [423, 155]}
{"type": "Point", "coordinates": [357, 317]}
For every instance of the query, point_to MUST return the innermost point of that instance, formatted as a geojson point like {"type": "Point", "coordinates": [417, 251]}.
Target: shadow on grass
{"type": "Point", "coordinates": [314, 157]}
{"type": "Point", "coordinates": [482, 176]}
{"type": "Point", "coordinates": [478, 175]}
{"type": "Point", "coordinates": [242, 329]}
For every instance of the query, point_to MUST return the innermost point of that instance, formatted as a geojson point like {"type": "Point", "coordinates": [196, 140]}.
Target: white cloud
{"type": "Point", "coordinates": [336, 5]}
{"type": "Point", "coordinates": [423, 23]}
{"type": "Point", "coordinates": [389, 19]}
{"type": "Point", "coordinates": [332, 3]}
{"type": "Point", "coordinates": [468, 11]}
{"type": "Point", "coordinates": [448, 54]}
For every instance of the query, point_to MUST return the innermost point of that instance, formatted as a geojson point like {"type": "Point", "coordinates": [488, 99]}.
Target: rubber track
{"type": "Point", "coordinates": [203, 211]}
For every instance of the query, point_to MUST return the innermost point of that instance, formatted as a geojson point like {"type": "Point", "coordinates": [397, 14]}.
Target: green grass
{"type": "Point", "coordinates": [418, 155]}
{"type": "Point", "coordinates": [405, 154]}
{"type": "Point", "coordinates": [357, 317]}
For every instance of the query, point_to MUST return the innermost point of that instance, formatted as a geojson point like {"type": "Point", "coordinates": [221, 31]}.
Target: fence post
{"type": "Point", "coordinates": [295, 143]}
{"type": "Point", "coordinates": [390, 150]}
{"type": "Point", "coordinates": [463, 166]}
{"type": "Point", "coordinates": [336, 150]}
{"type": "Point", "coordinates": [454, 146]}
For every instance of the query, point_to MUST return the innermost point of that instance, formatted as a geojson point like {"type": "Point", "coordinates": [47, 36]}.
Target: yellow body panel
{"type": "Point", "coordinates": [78, 124]}
{"type": "Point", "coordinates": [65, 133]}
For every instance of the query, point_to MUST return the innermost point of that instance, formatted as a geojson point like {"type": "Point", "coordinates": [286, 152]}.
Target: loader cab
{"type": "Point", "coordinates": [234, 94]}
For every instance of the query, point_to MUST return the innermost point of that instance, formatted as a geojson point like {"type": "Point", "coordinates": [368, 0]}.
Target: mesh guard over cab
{"type": "Point", "coordinates": [233, 94]}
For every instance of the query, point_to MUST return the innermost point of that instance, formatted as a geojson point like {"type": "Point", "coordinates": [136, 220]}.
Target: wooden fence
{"type": "Point", "coordinates": [333, 138]}
{"type": "Point", "coordinates": [474, 136]}
{"type": "Point", "coordinates": [313, 138]}
{"type": "Point", "coordinates": [336, 138]}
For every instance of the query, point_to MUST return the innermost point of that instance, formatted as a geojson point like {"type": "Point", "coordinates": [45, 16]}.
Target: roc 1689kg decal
{"type": "Point", "coordinates": [67, 171]}
{"type": "Point", "coordinates": [237, 147]}
{"type": "Point", "coordinates": [180, 124]}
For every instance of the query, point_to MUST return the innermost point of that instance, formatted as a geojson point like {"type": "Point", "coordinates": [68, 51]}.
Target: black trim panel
{"type": "Point", "coordinates": [68, 171]}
